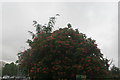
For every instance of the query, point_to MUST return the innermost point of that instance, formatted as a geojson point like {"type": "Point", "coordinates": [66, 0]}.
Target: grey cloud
{"type": "Point", "coordinates": [96, 20]}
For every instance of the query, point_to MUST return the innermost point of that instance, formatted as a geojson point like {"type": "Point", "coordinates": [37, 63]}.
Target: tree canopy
{"type": "Point", "coordinates": [115, 70]}
{"type": "Point", "coordinates": [62, 53]}
{"type": "Point", "coordinates": [10, 69]}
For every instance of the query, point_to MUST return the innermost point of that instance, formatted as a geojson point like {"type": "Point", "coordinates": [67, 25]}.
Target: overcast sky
{"type": "Point", "coordinates": [97, 20]}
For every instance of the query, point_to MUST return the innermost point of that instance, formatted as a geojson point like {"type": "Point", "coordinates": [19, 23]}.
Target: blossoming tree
{"type": "Point", "coordinates": [62, 53]}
